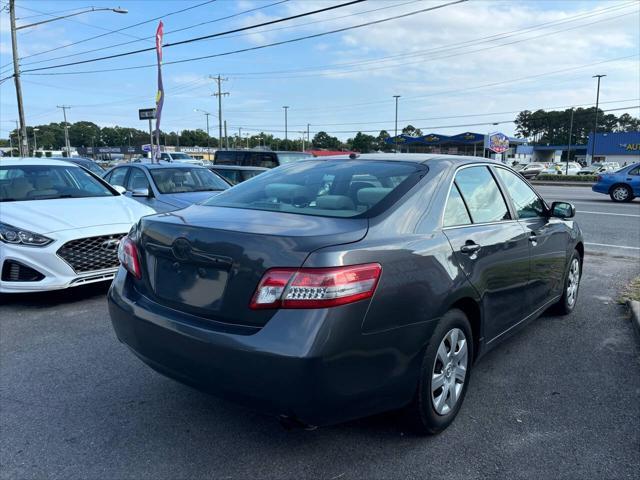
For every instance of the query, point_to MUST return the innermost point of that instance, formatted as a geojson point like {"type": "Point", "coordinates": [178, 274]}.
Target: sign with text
{"type": "Point", "coordinates": [147, 113]}
{"type": "Point", "coordinates": [498, 142]}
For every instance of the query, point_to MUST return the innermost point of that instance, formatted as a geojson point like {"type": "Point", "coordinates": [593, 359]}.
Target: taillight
{"type": "Point", "coordinates": [128, 257]}
{"type": "Point", "coordinates": [316, 287]}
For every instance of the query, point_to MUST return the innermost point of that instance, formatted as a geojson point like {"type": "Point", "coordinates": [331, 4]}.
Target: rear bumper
{"type": "Point", "coordinates": [312, 365]}
{"type": "Point", "coordinates": [599, 188]}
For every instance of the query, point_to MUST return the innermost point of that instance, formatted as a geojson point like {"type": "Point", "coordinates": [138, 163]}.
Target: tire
{"type": "Point", "coordinates": [569, 299]}
{"type": "Point", "coordinates": [621, 193]}
{"type": "Point", "coordinates": [430, 413]}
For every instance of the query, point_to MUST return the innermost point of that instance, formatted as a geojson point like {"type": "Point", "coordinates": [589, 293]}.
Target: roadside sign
{"type": "Point", "coordinates": [498, 142]}
{"type": "Point", "coordinates": [147, 113]}
{"type": "Point", "coordinates": [146, 148]}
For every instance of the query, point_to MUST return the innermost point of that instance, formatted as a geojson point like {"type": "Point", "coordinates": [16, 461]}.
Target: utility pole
{"type": "Point", "coordinates": [23, 146]}
{"type": "Point", "coordinates": [286, 107]}
{"type": "Point", "coordinates": [19, 142]}
{"type": "Point", "coordinates": [595, 126]}
{"type": "Point", "coordinates": [308, 139]}
{"type": "Point", "coordinates": [226, 139]}
{"type": "Point", "coordinates": [35, 141]}
{"type": "Point", "coordinates": [566, 171]}
{"type": "Point", "coordinates": [66, 129]}
{"type": "Point", "coordinates": [240, 135]}
{"type": "Point", "coordinates": [396, 134]}
{"type": "Point", "coordinates": [219, 94]}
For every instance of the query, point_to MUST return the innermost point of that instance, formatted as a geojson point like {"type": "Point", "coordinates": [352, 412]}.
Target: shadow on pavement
{"type": "Point", "coordinates": [55, 297]}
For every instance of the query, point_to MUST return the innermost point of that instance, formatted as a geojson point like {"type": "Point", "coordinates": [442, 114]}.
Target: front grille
{"type": "Point", "coordinates": [92, 253]}
{"type": "Point", "coordinates": [13, 271]}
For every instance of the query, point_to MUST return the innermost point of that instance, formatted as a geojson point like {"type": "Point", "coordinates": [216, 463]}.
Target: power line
{"type": "Point", "coordinates": [121, 29]}
{"type": "Point", "coordinates": [205, 37]}
{"type": "Point", "coordinates": [244, 12]}
{"type": "Point", "coordinates": [258, 47]}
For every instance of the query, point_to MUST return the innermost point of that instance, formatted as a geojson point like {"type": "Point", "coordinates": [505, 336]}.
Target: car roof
{"type": "Point", "coordinates": [34, 161]}
{"type": "Point", "coordinates": [235, 167]}
{"type": "Point", "coordinates": [413, 157]}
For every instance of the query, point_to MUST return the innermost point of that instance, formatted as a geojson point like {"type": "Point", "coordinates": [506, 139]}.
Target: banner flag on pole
{"type": "Point", "coordinates": [160, 94]}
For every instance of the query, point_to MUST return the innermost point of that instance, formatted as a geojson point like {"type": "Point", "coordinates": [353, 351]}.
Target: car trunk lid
{"type": "Point", "coordinates": [208, 261]}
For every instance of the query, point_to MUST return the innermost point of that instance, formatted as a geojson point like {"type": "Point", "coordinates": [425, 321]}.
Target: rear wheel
{"type": "Point", "coordinates": [445, 373]}
{"type": "Point", "coordinates": [621, 193]}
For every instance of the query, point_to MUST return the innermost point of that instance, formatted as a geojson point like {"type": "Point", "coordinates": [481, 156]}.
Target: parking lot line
{"type": "Point", "coordinates": [614, 246]}
{"type": "Point", "coordinates": [609, 213]}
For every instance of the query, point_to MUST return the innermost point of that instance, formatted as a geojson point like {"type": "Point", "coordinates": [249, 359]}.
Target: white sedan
{"type": "Point", "coordinates": [560, 168]}
{"type": "Point", "coordinates": [60, 225]}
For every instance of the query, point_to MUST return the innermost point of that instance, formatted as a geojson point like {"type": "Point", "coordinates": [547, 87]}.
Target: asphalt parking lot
{"type": "Point", "coordinates": [561, 399]}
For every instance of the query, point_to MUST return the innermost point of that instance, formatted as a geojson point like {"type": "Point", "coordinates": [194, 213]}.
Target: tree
{"type": "Point", "coordinates": [83, 133]}
{"type": "Point", "coordinates": [381, 143]}
{"type": "Point", "coordinates": [363, 143]}
{"type": "Point", "coordinates": [412, 131]}
{"type": "Point", "coordinates": [324, 140]}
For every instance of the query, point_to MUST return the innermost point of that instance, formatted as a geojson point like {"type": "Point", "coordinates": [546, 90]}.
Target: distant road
{"type": "Point", "coordinates": [608, 227]}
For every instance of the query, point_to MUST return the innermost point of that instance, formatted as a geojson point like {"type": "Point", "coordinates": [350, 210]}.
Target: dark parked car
{"type": "Point", "coordinates": [258, 158]}
{"type": "Point", "coordinates": [86, 163]}
{"type": "Point", "coordinates": [166, 186]}
{"type": "Point", "coordinates": [235, 174]}
{"type": "Point", "coordinates": [621, 186]}
{"type": "Point", "coordinates": [331, 289]}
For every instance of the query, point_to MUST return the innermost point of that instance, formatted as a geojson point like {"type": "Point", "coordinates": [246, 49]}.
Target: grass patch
{"type": "Point", "coordinates": [631, 291]}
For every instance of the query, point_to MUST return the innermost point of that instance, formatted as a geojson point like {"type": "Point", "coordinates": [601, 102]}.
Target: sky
{"type": "Point", "coordinates": [461, 67]}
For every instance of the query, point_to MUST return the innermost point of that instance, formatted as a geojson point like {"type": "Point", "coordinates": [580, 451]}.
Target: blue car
{"type": "Point", "coordinates": [167, 186]}
{"type": "Point", "coordinates": [621, 186]}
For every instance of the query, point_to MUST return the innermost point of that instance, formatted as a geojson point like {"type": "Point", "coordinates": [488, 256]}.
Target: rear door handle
{"type": "Point", "coordinates": [470, 248]}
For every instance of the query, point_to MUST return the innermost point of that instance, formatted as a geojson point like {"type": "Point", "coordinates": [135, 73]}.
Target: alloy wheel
{"type": "Point", "coordinates": [449, 371]}
{"type": "Point", "coordinates": [574, 281]}
{"type": "Point", "coordinates": [620, 194]}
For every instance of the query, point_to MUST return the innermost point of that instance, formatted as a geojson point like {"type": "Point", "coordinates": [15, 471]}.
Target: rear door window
{"type": "Point", "coordinates": [137, 180]}
{"type": "Point", "coordinates": [261, 159]}
{"type": "Point", "coordinates": [482, 195]}
{"type": "Point", "coordinates": [455, 213]}
{"type": "Point", "coordinates": [226, 157]}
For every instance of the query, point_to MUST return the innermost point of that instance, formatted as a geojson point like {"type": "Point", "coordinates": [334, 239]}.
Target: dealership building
{"type": "Point", "coordinates": [467, 143]}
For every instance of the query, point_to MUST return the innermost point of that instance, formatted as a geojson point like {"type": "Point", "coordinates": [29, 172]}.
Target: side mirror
{"type": "Point", "coordinates": [563, 210]}
{"type": "Point", "coordinates": [120, 189]}
{"type": "Point", "coordinates": [140, 192]}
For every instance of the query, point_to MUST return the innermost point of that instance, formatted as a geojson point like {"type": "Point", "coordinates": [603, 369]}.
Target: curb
{"type": "Point", "coordinates": [562, 184]}
{"type": "Point", "coordinates": [634, 308]}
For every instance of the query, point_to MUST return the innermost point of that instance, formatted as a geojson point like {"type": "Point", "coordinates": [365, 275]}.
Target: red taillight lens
{"type": "Point", "coordinates": [128, 257]}
{"type": "Point", "coordinates": [316, 287]}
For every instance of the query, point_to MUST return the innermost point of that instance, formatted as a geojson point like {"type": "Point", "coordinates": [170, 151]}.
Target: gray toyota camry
{"type": "Point", "coordinates": [330, 289]}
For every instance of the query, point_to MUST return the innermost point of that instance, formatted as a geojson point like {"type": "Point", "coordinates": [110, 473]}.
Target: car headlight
{"type": "Point", "coordinates": [18, 236]}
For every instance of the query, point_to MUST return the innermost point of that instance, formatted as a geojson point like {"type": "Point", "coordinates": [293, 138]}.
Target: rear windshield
{"type": "Point", "coordinates": [334, 188]}
{"type": "Point", "coordinates": [181, 156]}
{"type": "Point", "coordinates": [46, 182]}
{"type": "Point", "coordinates": [181, 180]}
{"type": "Point", "coordinates": [288, 157]}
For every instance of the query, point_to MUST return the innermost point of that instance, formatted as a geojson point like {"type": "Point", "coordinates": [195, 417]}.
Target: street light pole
{"type": "Point", "coordinates": [595, 126]}
{"type": "Point", "coordinates": [35, 141]}
{"type": "Point", "coordinates": [286, 107]}
{"type": "Point", "coordinates": [396, 134]}
{"type": "Point", "coordinates": [206, 114]}
{"type": "Point", "coordinates": [24, 144]}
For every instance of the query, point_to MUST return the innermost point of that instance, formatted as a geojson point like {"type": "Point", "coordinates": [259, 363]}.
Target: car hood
{"type": "Point", "coordinates": [48, 216]}
{"type": "Point", "coordinates": [185, 199]}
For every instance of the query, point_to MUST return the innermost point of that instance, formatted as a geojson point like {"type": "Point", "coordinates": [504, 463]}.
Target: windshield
{"type": "Point", "coordinates": [335, 188]}
{"type": "Point", "coordinates": [46, 182]}
{"type": "Point", "coordinates": [92, 167]}
{"type": "Point", "coordinates": [181, 156]}
{"type": "Point", "coordinates": [182, 180]}
{"type": "Point", "coordinates": [288, 157]}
